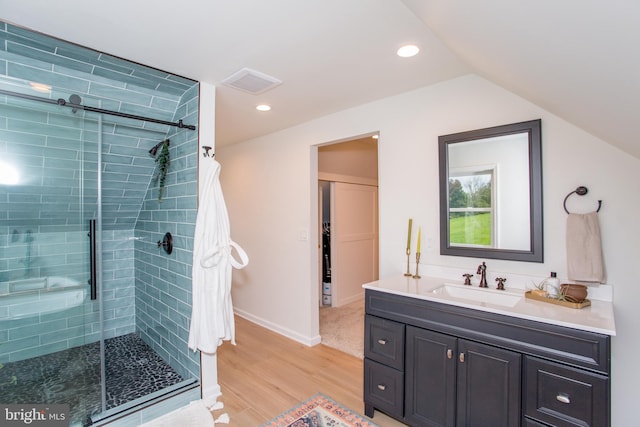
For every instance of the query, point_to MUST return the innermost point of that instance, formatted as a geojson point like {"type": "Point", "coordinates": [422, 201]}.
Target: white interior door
{"type": "Point", "coordinates": [354, 240]}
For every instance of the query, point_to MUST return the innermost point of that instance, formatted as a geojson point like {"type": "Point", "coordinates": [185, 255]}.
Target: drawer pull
{"type": "Point", "coordinates": [382, 387]}
{"type": "Point", "coordinates": [382, 341]}
{"type": "Point", "coordinates": [449, 354]}
{"type": "Point", "coordinates": [563, 397]}
{"type": "Point", "coordinates": [461, 357]}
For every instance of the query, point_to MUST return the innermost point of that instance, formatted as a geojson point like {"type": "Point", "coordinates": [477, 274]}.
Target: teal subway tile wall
{"type": "Point", "coordinates": [43, 221]}
{"type": "Point", "coordinates": [163, 282]}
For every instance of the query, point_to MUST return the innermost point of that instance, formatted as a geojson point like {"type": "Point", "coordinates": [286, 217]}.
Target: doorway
{"type": "Point", "coordinates": [348, 236]}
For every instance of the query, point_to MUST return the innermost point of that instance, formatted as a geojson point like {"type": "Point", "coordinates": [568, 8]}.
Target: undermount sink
{"type": "Point", "coordinates": [479, 295]}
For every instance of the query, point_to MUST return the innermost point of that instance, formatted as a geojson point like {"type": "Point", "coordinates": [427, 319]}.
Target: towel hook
{"type": "Point", "coordinates": [206, 153]}
{"type": "Point", "coordinates": [580, 191]}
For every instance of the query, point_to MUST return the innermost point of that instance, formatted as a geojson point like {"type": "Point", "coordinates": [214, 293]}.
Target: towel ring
{"type": "Point", "coordinates": [580, 191]}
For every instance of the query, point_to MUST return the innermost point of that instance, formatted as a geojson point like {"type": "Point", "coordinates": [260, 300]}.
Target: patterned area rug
{"type": "Point", "coordinates": [319, 411]}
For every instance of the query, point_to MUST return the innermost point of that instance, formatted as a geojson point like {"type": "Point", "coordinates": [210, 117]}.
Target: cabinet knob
{"type": "Point", "coordinates": [382, 341]}
{"type": "Point", "coordinates": [563, 397]}
{"type": "Point", "coordinates": [382, 387]}
{"type": "Point", "coordinates": [449, 354]}
{"type": "Point", "coordinates": [461, 357]}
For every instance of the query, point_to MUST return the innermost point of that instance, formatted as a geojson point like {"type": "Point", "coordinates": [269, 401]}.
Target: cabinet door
{"type": "Point", "coordinates": [489, 381]}
{"type": "Point", "coordinates": [430, 378]}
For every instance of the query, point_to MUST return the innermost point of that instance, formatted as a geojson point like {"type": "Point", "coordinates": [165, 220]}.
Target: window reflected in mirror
{"type": "Point", "coordinates": [471, 214]}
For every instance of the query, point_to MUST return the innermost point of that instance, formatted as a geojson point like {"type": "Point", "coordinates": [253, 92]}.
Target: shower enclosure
{"type": "Point", "coordinates": [94, 313]}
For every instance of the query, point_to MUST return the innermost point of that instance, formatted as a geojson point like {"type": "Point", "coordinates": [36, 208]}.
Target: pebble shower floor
{"type": "Point", "coordinates": [72, 376]}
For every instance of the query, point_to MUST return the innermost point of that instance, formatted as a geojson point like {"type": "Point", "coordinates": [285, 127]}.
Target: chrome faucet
{"type": "Point", "coordinates": [482, 271]}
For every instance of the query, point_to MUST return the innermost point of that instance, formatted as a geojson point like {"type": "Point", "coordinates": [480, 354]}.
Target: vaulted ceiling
{"type": "Point", "coordinates": [576, 58]}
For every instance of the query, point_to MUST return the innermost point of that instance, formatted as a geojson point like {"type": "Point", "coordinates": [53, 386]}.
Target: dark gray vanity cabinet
{"type": "Point", "coordinates": [449, 379]}
{"type": "Point", "coordinates": [433, 364]}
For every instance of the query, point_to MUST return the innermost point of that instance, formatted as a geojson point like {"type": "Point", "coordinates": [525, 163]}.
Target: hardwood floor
{"type": "Point", "coordinates": [265, 374]}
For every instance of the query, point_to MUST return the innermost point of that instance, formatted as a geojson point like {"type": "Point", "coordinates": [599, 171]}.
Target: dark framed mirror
{"type": "Point", "coordinates": [491, 193]}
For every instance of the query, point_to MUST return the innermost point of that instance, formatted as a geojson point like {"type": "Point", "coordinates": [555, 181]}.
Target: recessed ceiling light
{"type": "Point", "coordinates": [408, 51]}
{"type": "Point", "coordinates": [263, 107]}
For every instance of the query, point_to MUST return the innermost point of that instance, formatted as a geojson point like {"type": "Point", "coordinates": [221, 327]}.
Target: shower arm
{"type": "Point", "coordinates": [155, 148]}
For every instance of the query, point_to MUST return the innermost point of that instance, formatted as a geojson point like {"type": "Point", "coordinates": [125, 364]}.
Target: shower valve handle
{"type": "Point", "coordinates": [166, 243]}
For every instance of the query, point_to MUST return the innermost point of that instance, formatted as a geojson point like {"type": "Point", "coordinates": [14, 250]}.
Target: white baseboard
{"type": "Point", "coordinates": [308, 341]}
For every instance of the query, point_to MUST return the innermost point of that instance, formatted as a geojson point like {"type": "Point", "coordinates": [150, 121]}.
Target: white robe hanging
{"type": "Point", "coordinates": [212, 314]}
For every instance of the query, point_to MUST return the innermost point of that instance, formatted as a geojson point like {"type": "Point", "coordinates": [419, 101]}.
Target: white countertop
{"type": "Point", "coordinates": [596, 318]}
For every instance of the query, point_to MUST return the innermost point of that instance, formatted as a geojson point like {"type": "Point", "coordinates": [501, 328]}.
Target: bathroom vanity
{"type": "Point", "coordinates": [438, 356]}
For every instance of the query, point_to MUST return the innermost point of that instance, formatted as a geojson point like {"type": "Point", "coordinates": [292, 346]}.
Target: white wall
{"type": "Point", "coordinates": [271, 193]}
{"type": "Point", "coordinates": [206, 137]}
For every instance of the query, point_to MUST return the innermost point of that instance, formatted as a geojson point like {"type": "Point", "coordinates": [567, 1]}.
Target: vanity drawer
{"type": "Point", "coordinates": [384, 388]}
{"type": "Point", "coordinates": [384, 341]}
{"type": "Point", "coordinates": [564, 396]}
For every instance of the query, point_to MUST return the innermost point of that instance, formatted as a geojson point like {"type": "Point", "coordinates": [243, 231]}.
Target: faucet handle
{"type": "Point", "coordinates": [467, 278]}
{"type": "Point", "coordinates": [500, 281]}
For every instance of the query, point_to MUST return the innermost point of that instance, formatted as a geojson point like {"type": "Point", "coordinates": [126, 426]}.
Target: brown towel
{"type": "Point", "coordinates": [584, 248]}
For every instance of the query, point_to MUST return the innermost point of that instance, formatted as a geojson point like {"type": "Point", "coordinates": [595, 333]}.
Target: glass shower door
{"type": "Point", "coordinates": [50, 335]}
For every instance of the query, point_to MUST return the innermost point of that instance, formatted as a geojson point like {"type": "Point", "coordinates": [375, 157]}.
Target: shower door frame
{"type": "Point", "coordinates": [127, 409]}
{"type": "Point", "coordinates": [51, 232]}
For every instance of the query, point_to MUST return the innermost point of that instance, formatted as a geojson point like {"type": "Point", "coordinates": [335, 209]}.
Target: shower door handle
{"type": "Point", "coordinates": [93, 282]}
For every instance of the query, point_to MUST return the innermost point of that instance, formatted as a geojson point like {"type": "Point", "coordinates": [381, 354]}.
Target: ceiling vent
{"type": "Point", "coordinates": [251, 81]}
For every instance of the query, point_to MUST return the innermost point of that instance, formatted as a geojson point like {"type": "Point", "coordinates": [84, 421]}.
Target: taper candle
{"type": "Point", "coordinates": [409, 236]}
{"type": "Point", "coordinates": [419, 238]}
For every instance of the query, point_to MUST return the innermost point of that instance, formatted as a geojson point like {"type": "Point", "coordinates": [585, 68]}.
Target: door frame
{"type": "Point", "coordinates": [315, 278]}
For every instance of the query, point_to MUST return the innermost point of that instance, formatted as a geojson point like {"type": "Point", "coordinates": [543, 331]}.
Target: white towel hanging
{"type": "Point", "coordinates": [212, 315]}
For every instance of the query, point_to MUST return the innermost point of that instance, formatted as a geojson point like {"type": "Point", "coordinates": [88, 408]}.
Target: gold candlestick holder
{"type": "Point", "coordinates": [408, 274]}
{"type": "Point", "coordinates": [417, 276]}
